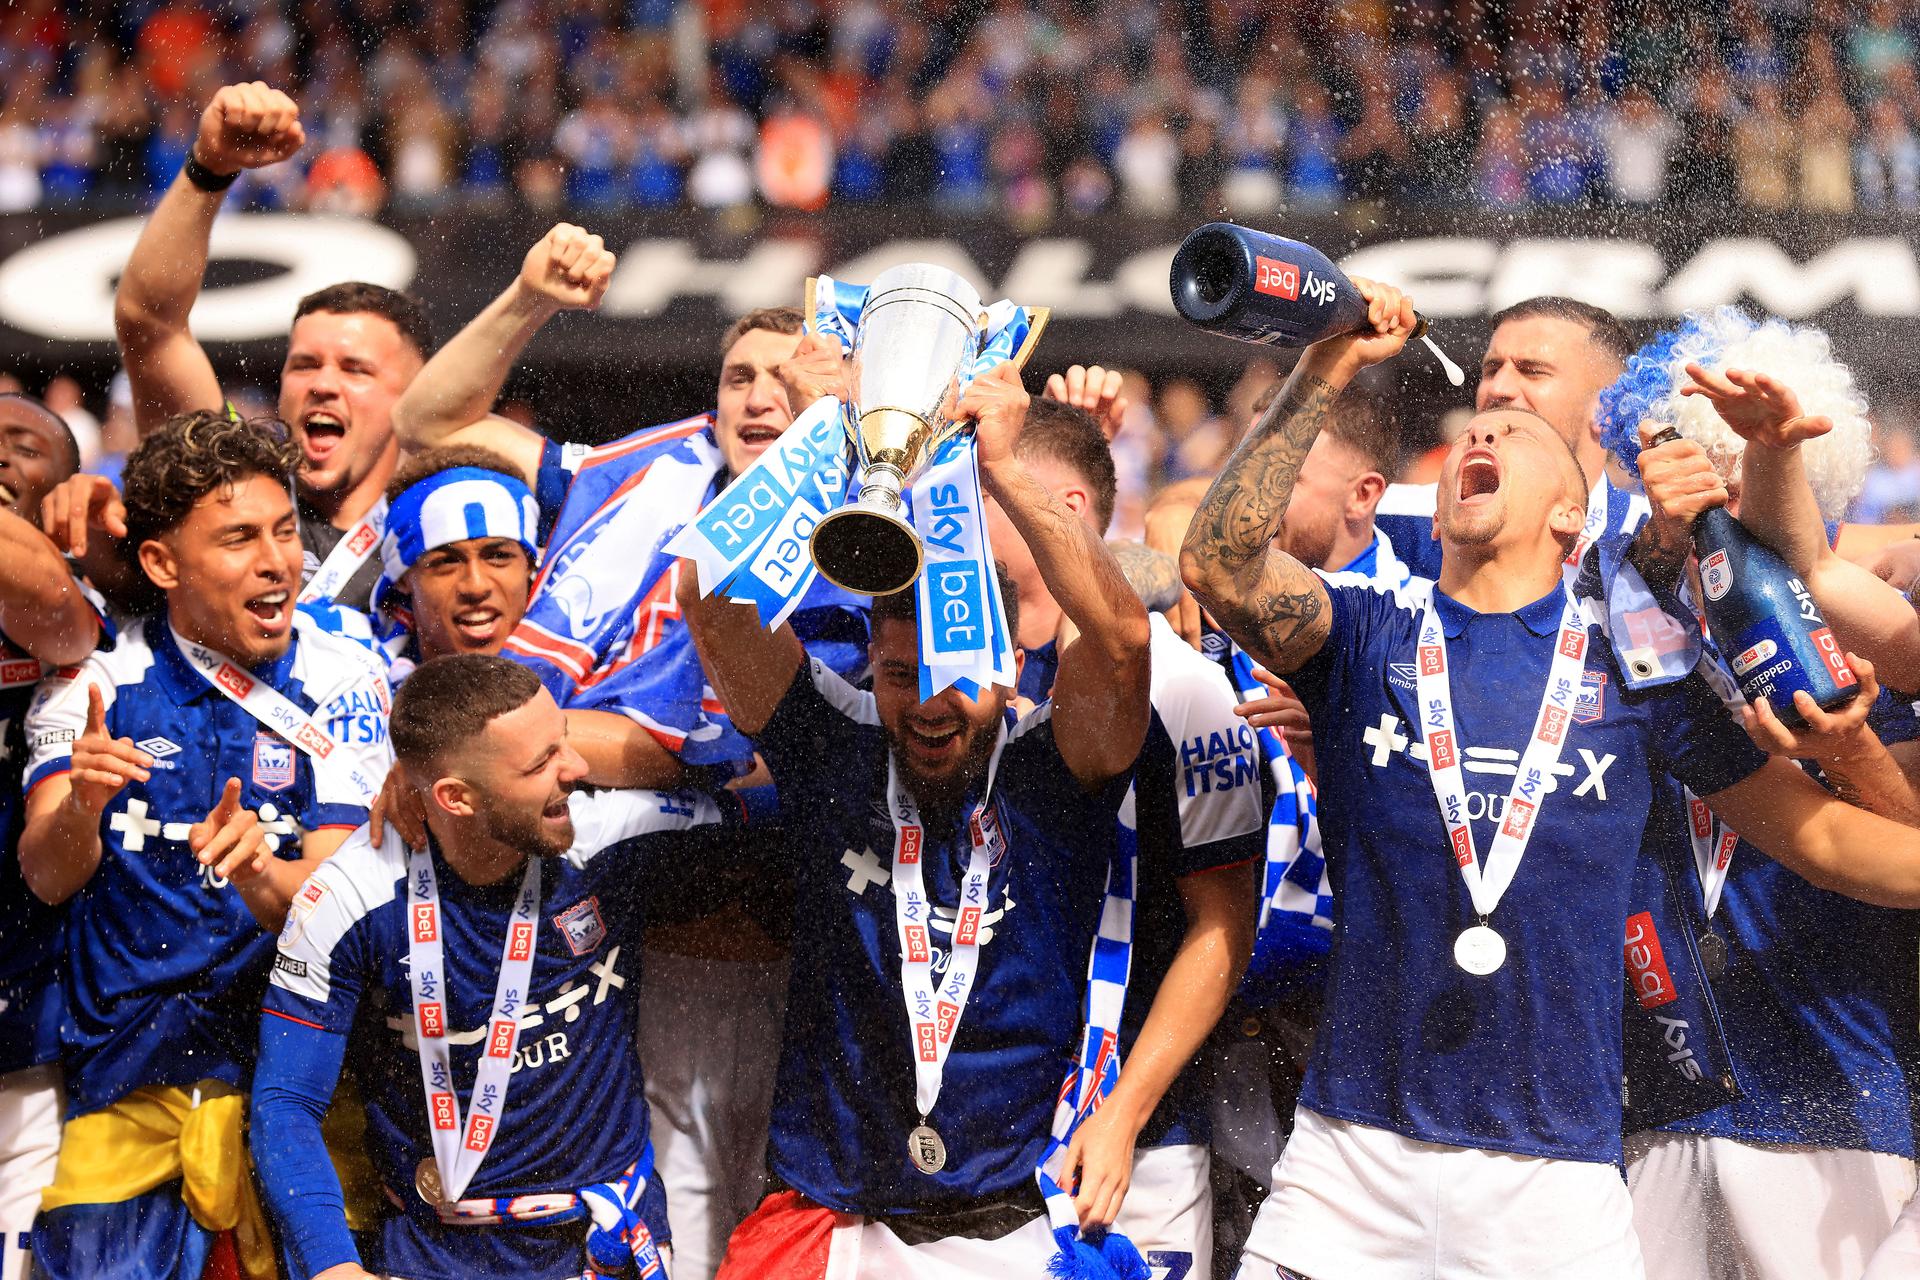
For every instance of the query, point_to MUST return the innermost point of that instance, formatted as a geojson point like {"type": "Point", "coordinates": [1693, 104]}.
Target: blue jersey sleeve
{"type": "Point", "coordinates": [1358, 615]}
{"type": "Point", "coordinates": [1695, 740]}
{"type": "Point", "coordinates": [558, 462]}
{"type": "Point", "coordinates": [298, 1069]}
{"type": "Point", "coordinates": [812, 739]}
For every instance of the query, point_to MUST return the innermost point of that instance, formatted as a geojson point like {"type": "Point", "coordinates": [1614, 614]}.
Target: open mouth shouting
{"type": "Point", "coordinates": [8, 496]}
{"type": "Point", "coordinates": [321, 434]}
{"type": "Point", "coordinates": [757, 436]}
{"type": "Point", "coordinates": [933, 746]}
{"type": "Point", "coordinates": [272, 610]}
{"type": "Point", "coordinates": [1479, 476]}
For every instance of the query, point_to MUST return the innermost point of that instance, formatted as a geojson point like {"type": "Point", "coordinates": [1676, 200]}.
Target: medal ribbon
{"type": "Point", "coordinates": [963, 622]}
{"type": "Point", "coordinates": [269, 706]}
{"type": "Point", "coordinates": [1487, 882]}
{"type": "Point", "coordinates": [457, 1149]}
{"type": "Point", "coordinates": [934, 1006]}
{"type": "Point", "coordinates": [348, 554]}
{"type": "Point", "coordinates": [1713, 844]}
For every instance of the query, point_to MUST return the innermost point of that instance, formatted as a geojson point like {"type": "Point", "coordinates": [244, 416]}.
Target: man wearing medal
{"type": "Point", "coordinates": [1804, 1173]}
{"type": "Point", "coordinates": [486, 987]}
{"type": "Point", "coordinates": [1469, 1056]}
{"type": "Point", "coordinates": [950, 870]}
{"type": "Point", "coordinates": [181, 786]}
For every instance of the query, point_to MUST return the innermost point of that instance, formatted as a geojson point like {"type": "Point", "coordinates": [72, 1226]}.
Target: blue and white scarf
{"type": "Point", "coordinates": [1095, 1072]}
{"type": "Point", "coordinates": [1295, 931]}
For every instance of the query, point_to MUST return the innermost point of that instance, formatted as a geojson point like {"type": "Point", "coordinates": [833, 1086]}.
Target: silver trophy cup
{"type": "Point", "coordinates": [918, 330]}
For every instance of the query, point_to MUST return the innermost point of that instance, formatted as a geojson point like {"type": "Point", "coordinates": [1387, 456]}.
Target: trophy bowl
{"type": "Point", "coordinates": [919, 328]}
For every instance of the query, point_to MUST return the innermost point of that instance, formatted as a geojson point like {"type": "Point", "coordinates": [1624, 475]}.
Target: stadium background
{"type": "Point", "coordinates": [1647, 155]}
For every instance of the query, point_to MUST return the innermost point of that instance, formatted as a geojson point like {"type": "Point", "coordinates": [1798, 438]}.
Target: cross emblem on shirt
{"type": "Point", "coordinates": [864, 869]}
{"type": "Point", "coordinates": [134, 825]}
{"type": "Point", "coordinates": [1385, 739]}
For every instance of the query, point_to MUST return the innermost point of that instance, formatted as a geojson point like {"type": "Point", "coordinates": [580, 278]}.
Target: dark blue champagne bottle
{"type": "Point", "coordinates": [1769, 630]}
{"type": "Point", "coordinates": [1262, 288]}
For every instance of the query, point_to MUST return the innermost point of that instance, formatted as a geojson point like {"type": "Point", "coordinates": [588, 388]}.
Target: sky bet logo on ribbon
{"type": "Point", "coordinates": [963, 630]}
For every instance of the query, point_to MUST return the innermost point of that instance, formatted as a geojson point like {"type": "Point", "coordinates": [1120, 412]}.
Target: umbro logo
{"type": "Point", "coordinates": [158, 748]}
{"type": "Point", "coordinates": [1401, 675]}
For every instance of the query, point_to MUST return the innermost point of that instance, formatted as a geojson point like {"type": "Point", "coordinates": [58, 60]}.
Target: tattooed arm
{"type": "Point", "coordinates": [1274, 605]}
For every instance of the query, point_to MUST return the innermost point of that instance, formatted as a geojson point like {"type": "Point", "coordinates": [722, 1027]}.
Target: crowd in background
{"type": "Point", "coordinates": [1024, 108]}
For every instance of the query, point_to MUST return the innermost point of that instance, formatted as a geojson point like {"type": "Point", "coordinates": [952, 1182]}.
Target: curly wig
{"type": "Point", "coordinates": [1800, 356]}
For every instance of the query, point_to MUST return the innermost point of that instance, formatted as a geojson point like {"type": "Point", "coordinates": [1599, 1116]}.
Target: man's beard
{"type": "Point", "coordinates": [943, 791]}
{"type": "Point", "coordinates": [522, 831]}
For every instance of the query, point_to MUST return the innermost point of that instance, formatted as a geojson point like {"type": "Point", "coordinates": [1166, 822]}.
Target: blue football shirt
{"type": "Point", "coordinates": [576, 1110]}
{"type": "Point", "coordinates": [1527, 1059]}
{"type": "Point", "coordinates": [844, 1092]}
{"type": "Point", "coordinates": [165, 964]}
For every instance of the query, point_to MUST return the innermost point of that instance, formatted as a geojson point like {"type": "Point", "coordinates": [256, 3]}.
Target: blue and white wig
{"type": "Point", "coordinates": [1800, 356]}
{"type": "Point", "coordinates": [453, 506]}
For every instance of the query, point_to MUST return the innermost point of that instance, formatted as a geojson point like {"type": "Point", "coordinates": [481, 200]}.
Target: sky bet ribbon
{"type": "Point", "coordinates": [750, 543]}
{"type": "Point", "coordinates": [963, 624]}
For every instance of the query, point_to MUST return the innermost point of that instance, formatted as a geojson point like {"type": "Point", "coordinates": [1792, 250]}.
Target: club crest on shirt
{"type": "Point", "coordinates": [1591, 705]}
{"type": "Point", "coordinates": [272, 762]}
{"type": "Point", "coordinates": [581, 926]}
{"type": "Point", "coordinates": [301, 910]}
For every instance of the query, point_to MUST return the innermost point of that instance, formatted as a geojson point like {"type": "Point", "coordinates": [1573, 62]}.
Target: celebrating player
{"type": "Point", "coordinates": [504, 1100]}
{"type": "Point", "coordinates": [1471, 1060]}
{"type": "Point", "coordinates": [603, 631]}
{"type": "Point", "coordinates": [1002, 834]}
{"type": "Point", "coordinates": [1142, 1157]}
{"type": "Point", "coordinates": [351, 352]}
{"type": "Point", "coordinates": [182, 785]}
{"type": "Point", "coordinates": [46, 620]}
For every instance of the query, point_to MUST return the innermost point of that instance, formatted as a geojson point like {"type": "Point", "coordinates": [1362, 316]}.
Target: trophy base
{"type": "Point", "coordinates": [871, 553]}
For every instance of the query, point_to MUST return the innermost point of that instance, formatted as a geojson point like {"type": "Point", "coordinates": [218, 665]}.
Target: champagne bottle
{"type": "Point", "coordinates": [1266, 289]}
{"type": "Point", "coordinates": [1764, 619]}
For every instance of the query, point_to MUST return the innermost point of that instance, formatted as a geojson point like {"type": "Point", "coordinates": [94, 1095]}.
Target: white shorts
{"type": "Point", "coordinates": [1898, 1257]}
{"type": "Point", "coordinates": [1715, 1209]}
{"type": "Point", "coordinates": [30, 1106]}
{"type": "Point", "coordinates": [1353, 1202]}
{"type": "Point", "coordinates": [1168, 1212]}
{"type": "Point", "coordinates": [863, 1249]}
{"type": "Point", "coordinates": [709, 1042]}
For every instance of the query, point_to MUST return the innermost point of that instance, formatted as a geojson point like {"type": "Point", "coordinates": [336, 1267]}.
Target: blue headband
{"type": "Point", "coordinates": [453, 506]}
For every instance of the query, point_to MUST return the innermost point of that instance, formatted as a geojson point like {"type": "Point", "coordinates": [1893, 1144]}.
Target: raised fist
{"type": "Point", "coordinates": [248, 126]}
{"type": "Point", "coordinates": [569, 268]}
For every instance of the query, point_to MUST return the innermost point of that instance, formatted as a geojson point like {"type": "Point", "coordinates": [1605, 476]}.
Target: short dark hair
{"type": "Point", "coordinates": [68, 444]}
{"type": "Point", "coordinates": [1363, 421]}
{"type": "Point", "coordinates": [193, 454]}
{"type": "Point", "coordinates": [1070, 437]}
{"type": "Point", "coordinates": [772, 319]}
{"type": "Point", "coordinates": [451, 699]}
{"type": "Point", "coordinates": [355, 296]}
{"type": "Point", "coordinates": [1603, 326]}
{"type": "Point", "coordinates": [419, 466]}
{"type": "Point", "coordinates": [904, 606]}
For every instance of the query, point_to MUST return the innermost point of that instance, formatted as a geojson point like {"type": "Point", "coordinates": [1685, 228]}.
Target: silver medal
{"type": "Point", "coordinates": [1713, 954]}
{"type": "Point", "coordinates": [427, 1183]}
{"type": "Point", "coordinates": [924, 1148]}
{"type": "Point", "coordinates": [1479, 950]}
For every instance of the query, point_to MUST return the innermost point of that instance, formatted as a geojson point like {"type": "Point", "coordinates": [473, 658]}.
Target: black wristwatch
{"type": "Point", "coordinates": [204, 178]}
